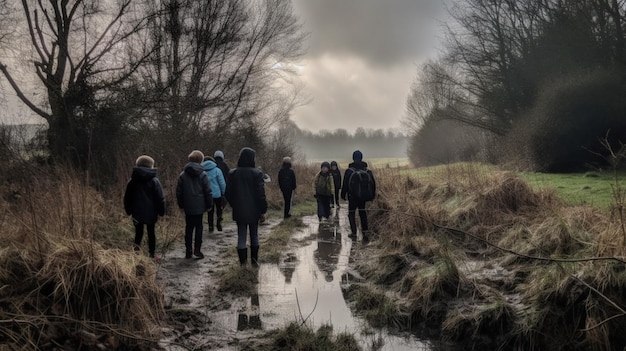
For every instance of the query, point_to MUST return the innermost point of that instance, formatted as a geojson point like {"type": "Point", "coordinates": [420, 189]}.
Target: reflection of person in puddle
{"type": "Point", "coordinates": [251, 317]}
{"type": "Point", "coordinates": [328, 248]}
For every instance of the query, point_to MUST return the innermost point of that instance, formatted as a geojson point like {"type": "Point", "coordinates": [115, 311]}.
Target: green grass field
{"type": "Point", "coordinates": [589, 188]}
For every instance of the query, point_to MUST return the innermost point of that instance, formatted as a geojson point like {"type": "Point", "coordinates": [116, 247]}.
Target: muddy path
{"type": "Point", "coordinates": [307, 285]}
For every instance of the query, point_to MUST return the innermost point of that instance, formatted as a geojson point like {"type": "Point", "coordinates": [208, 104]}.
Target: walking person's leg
{"type": "Point", "coordinates": [326, 204]}
{"type": "Point", "coordinates": [363, 216]}
{"type": "Point", "coordinates": [242, 249]}
{"type": "Point", "coordinates": [189, 227]}
{"type": "Point", "coordinates": [211, 213]}
{"type": "Point", "coordinates": [254, 244]}
{"type": "Point", "coordinates": [138, 235]}
{"type": "Point", "coordinates": [151, 239]}
{"type": "Point", "coordinates": [219, 209]}
{"type": "Point", "coordinates": [352, 216]}
{"type": "Point", "coordinates": [320, 207]}
{"type": "Point", "coordinates": [287, 199]}
{"type": "Point", "coordinates": [198, 239]}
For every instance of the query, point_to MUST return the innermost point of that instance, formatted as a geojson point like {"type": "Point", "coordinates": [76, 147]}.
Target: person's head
{"type": "Point", "coordinates": [357, 156]}
{"type": "Point", "coordinates": [287, 160]}
{"type": "Point", "coordinates": [246, 157]}
{"type": "Point", "coordinates": [144, 161]}
{"type": "Point", "coordinates": [196, 156]}
{"type": "Point", "coordinates": [218, 154]}
{"type": "Point", "coordinates": [209, 158]}
{"type": "Point", "coordinates": [325, 167]}
{"type": "Point", "coordinates": [333, 165]}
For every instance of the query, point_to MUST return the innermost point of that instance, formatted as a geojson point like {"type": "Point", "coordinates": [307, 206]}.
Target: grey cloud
{"type": "Point", "coordinates": [383, 32]}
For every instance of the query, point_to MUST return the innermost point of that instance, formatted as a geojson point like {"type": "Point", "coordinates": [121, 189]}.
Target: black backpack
{"type": "Point", "coordinates": [361, 185]}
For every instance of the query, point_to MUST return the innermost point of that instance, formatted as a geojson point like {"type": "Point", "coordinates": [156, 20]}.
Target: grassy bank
{"type": "Point", "coordinates": [482, 256]}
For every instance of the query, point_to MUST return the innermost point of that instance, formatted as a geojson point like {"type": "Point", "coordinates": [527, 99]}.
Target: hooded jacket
{"type": "Point", "coordinates": [286, 178]}
{"type": "Point", "coordinates": [323, 184]}
{"type": "Point", "coordinates": [216, 178]}
{"type": "Point", "coordinates": [245, 189]}
{"type": "Point", "coordinates": [221, 165]}
{"type": "Point", "coordinates": [143, 198]}
{"type": "Point", "coordinates": [193, 191]}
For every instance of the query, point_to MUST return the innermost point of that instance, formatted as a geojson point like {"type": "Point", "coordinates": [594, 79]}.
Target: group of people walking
{"type": "Point", "coordinates": [207, 184]}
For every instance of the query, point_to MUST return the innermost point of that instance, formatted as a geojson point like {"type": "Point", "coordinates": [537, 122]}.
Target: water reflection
{"type": "Point", "coordinates": [328, 249]}
{"type": "Point", "coordinates": [250, 317]}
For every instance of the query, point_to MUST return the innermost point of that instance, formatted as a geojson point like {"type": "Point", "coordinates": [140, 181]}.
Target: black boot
{"type": "Point", "coordinates": [254, 255]}
{"type": "Point", "coordinates": [197, 251]}
{"type": "Point", "coordinates": [243, 256]}
{"type": "Point", "coordinates": [219, 225]}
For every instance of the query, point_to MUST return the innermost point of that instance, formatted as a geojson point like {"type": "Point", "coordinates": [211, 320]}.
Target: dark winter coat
{"type": "Point", "coordinates": [346, 176]}
{"type": "Point", "coordinates": [336, 175]}
{"type": "Point", "coordinates": [286, 178]}
{"type": "Point", "coordinates": [143, 198]}
{"type": "Point", "coordinates": [193, 191]}
{"type": "Point", "coordinates": [245, 189]}
{"type": "Point", "coordinates": [223, 166]}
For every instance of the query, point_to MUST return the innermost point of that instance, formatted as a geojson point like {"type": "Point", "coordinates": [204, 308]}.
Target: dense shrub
{"type": "Point", "coordinates": [562, 132]}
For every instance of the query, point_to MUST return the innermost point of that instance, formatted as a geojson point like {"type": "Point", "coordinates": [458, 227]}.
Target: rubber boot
{"type": "Point", "coordinates": [197, 252]}
{"type": "Point", "coordinates": [243, 256]}
{"type": "Point", "coordinates": [254, 255]}
{"type": "Point", "coordinates": [219, 225]}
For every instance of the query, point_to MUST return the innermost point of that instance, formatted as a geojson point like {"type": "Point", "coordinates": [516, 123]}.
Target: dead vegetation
{"type": "Point", "coordinates": [480, 256]}
{"type": "Point", "coordinates": [60, 288]}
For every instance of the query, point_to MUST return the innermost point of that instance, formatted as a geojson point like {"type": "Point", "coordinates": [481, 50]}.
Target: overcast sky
{"type": "Point", "coordinates": [362, 58]}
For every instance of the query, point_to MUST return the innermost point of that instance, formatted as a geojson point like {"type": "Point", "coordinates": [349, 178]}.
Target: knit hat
{"type": "Point", "coordinates": [219, 154]}
{"type": "Point", "coordinates": [325, 164]}
{"type": "Point", "coordinates": [287, 159]}
{"type": "Point", "coordinates": [357, 156]}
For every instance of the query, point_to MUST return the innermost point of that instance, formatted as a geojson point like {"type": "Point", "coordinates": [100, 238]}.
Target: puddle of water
{"type": "Point", "coordinates": [308, 285]}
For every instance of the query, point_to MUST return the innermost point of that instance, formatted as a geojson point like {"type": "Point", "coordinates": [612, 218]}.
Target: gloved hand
{"type": "Point", "coordinates": [343, 197]}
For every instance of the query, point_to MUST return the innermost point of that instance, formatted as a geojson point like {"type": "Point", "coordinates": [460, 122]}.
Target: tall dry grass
{"type": "Point", "coordinates": [550, 276]}
{"type": "Point", "coordinates": [59, 285]}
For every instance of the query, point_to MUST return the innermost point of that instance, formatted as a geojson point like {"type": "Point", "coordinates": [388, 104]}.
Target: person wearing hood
{"type": "Point", "coordinates": [287, 184]}
{"type": "Point", "coordinates": [144, 201]}
{"type": "Point", "coordinates": [336, 173]}
{"type": "Point", "coordinates": [324, 189]}
{"type": "Point", "coordinates": [218, 188]}
{"type": "Point", "coordinates": [193, 194]}
{"type": "Point", "coordinates": [245, 192]}
{"type": "Point", "coordinates": [352, 186]}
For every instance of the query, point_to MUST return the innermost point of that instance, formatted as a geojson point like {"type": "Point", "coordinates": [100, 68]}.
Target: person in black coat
{"type": "Point", "coordinates": [353, 202]}
{"type": "Point", "coordinates": [193, 194]}
{"type": "Point", "coordinates": [245, 192]}
{"type": "Point", "coordinates": [336, 172]}
{"type": "Point", "coordinates": [144, 201]}
{"type": "Point", "coordinates": [287, 184]}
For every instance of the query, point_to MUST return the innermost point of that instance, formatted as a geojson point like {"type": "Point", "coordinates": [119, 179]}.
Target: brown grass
{"type": "Point", "coordinates": [58, 284]}
{"type": "Point", "coordinates": [414, 259]}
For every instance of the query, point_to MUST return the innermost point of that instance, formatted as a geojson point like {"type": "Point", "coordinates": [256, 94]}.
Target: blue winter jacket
{"type": "Point", "coordinates": [216, 178]}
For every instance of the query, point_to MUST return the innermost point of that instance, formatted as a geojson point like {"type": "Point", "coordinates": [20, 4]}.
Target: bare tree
{"type": "Point", "coordinates": [80, 52]}
{"type": "Point", "coordinates": [218, 62]}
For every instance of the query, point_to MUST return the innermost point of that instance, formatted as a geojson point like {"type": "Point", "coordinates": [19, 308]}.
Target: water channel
{"type": "Point", "coordinates": [308, 285]}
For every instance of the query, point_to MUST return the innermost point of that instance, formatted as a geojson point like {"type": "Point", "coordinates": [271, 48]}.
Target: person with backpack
{"type": "Point", "coordinates": [336, 172]}
{"type": "Point", "coordinates": [360, 187]}
{"type": "Point", "coordinates": [144, 201]}
{"type": "Point", "coordinates": [324, 188]}
{"type": "Point", "coordinates": [287, 184]}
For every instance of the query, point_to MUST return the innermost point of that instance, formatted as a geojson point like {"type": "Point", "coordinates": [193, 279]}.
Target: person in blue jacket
{"type": "Point", "coordinates": [218, 190]}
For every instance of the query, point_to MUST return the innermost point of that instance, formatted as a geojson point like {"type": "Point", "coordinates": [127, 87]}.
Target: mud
{"type": "Point", "coordinates": [306, 286]}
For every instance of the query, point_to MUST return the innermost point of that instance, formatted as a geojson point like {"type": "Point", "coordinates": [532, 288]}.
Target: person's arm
{"type": "Point", "coordinates": [128, 198]}
{"type": "Point", "coordinates": [293, 179]}
{"type": "Point", "coordinates": [160, 199]}
{"type": "Point", "coordinates": [221, 182]}
{"type": "Point", "coordinates": [206, 189]}
{"type": "Point", "coordinates": [344, 187]}
{"type": "Point", "coordinates": [260, 193]}
{"type": "Point", "coordinates": [179, 192]}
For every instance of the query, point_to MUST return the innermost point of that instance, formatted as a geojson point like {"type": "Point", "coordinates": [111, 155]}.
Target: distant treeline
{"type": "Point", "coordinates": [339, 144]}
